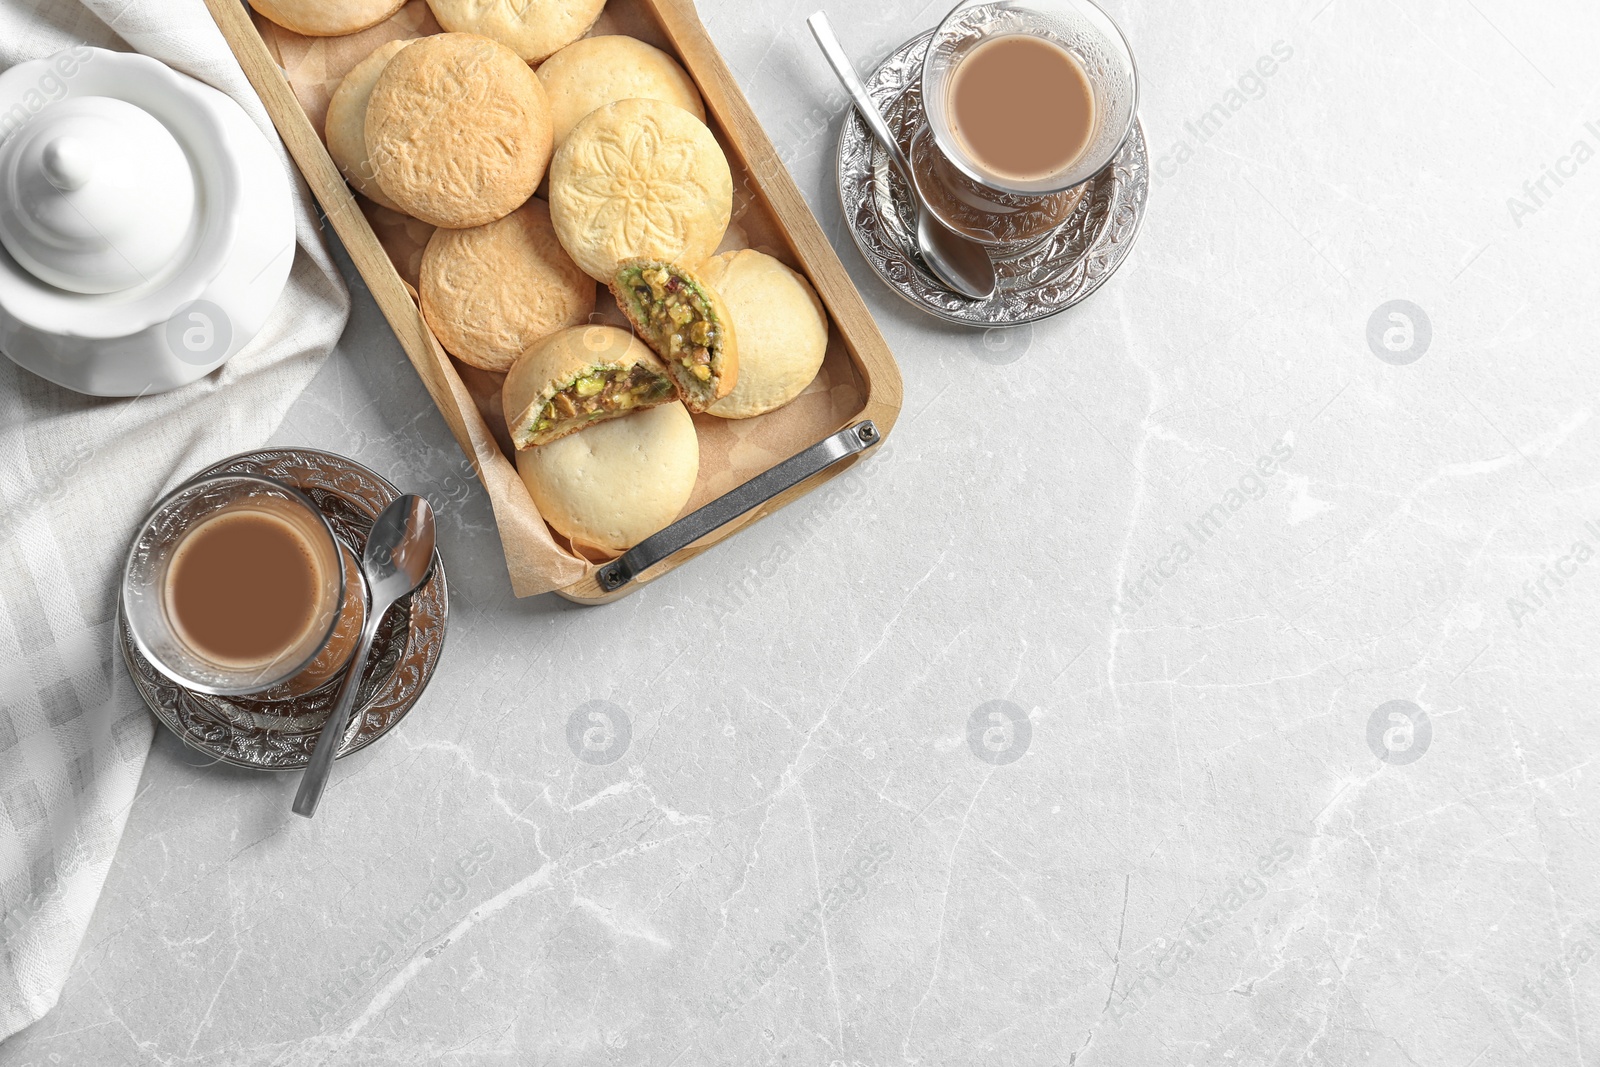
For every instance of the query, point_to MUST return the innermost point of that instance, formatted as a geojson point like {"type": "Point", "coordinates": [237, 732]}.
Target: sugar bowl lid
{"type": "Point", "coordinates": [96, 196]}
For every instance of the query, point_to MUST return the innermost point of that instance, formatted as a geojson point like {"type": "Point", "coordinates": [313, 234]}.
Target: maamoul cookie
{"type": "Point", "coordinates": [597, 71]}
{"type": "Point", "coordinates": [345, 128]}
{"type": "Point", "coordinates": [327, 18]}
{"type": "Point", "coordinates": [458, 130]}
{"type": "Point", "coordinates": [782, 328]}
{"type": "Point", "coordinates": [491, 291]}
{"type": "Point", "coordinates": [580, 376]}
{"type": "Point", "coordinates": [639, 179]}
{"type": "Point", "coordinates": [531, 28]}
{"type": "Point", "coordinates": [687, 324]}
{"type": "Point", "coordinates": [617, 482]}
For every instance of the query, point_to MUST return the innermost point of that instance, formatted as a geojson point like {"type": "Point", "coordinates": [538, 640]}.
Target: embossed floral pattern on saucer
{"type": "Point", "coordinates": [276, 731]}
{"type": "Point", "coordinates": [1036, 280]}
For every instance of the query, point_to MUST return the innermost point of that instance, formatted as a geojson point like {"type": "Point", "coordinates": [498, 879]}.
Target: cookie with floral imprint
{"type": "Point", "coordinates": [639, 179]}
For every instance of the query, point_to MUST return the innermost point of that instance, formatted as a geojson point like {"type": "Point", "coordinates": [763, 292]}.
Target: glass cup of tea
{"type": "Point", "coordinates": [236, 585]}
{"type": "Point", "coordinates": [1024, 102]}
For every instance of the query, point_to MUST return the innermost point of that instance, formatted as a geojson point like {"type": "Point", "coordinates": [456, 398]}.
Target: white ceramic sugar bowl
{"type": "Point", "coordinates": [146, 226]}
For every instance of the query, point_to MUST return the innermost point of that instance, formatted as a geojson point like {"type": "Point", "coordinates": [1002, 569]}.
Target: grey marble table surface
{"type": "Point", "coordinates": [1202, 677]}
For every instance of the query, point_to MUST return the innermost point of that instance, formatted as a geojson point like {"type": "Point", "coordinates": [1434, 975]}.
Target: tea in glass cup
{"type": "Point", "coordinates": [1024, 102]}
{"type": "Point", "coordinates": [236, 585]}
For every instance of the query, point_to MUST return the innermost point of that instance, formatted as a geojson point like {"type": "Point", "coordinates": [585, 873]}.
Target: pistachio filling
{"type": "Point", "coordinates": [601, 391]}
{"type": "Point", "coordinates": [679, 317]}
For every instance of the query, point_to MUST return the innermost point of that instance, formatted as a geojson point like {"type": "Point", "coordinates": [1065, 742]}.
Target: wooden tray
{"type": "Point", "coordinates": [758, 172]}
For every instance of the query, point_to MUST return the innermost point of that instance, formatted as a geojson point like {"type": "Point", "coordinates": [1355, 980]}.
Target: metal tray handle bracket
{"type": "Point", "coordinates": [734, 503]}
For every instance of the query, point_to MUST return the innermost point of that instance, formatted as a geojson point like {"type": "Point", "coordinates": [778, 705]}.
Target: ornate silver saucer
{"type": "Point", "coordinates": [1036, 280]}
{"type": "Point", "coordinates": [277, 732]}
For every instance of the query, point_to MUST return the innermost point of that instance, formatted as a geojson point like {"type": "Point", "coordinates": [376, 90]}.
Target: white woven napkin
{"type": "Point", "coordinates": [76, 474]}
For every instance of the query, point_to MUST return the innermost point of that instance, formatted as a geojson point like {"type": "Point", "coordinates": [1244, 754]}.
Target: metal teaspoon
{"type": "Point", "coordinates": [397, 559]}
{"type": "Point", "coordinates": [961, 264]}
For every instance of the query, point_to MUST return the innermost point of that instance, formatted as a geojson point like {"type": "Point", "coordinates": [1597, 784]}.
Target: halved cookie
{"type": "Point", "coordinates": [615, 484]}
{"type": "Point", "coordinates": [577, 378]}
{"type": "Point", "coordinates": [782, 327]}
{"type": "Point", "coordinates": [685, 321]}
